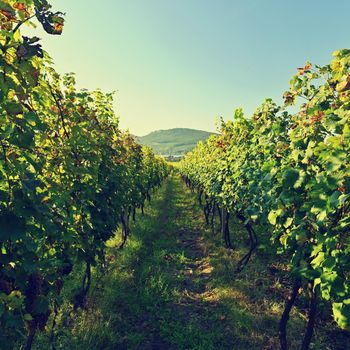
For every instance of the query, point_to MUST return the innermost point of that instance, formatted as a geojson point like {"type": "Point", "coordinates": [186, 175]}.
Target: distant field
{"type": "Point", "coordinates": [174, 141]}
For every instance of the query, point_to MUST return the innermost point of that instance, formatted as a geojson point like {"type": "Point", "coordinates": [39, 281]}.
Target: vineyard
{"type": "Point", "coordinates": [286, 177]}
{"type": "Point", "coordinates": [80, 268]}
{"type": "Point", "coordinates": [68, 176]}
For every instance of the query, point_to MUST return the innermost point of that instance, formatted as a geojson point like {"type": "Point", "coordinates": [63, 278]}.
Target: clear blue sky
{"type": "Point", "coordinates": [183, 63]}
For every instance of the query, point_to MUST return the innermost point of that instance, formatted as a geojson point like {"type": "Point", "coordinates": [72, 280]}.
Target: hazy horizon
{"type": "Point", "coordinates": [185, 63]}
{"type": "Point", "coordinates": [167, 129]}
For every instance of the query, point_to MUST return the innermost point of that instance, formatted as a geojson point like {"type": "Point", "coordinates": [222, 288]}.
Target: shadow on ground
{"type": "Point", "coordinates": [173, 287]}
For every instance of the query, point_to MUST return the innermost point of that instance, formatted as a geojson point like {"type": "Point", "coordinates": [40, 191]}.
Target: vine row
{"type": "Point", "coordinates": [69, 177]}
{"type": "Point", "coordinates": [284, 173]}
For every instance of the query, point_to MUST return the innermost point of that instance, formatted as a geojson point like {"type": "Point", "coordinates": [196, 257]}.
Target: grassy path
{"type": "Point", "coordinates": [173, 287]}
{"type": "Point", "coordinates": [178, 308]}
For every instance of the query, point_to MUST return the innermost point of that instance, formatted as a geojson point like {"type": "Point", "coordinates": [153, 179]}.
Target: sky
{"type": "Point", "coordinates": [184, 63]}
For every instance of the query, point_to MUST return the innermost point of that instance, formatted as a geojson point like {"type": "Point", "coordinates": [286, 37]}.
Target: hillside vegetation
{"type": "Point", "coordinates": [174, 141]}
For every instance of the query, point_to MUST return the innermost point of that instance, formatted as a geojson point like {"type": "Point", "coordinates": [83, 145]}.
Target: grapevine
{"type": "Point", "coordinates": [69, 177]}
{"type": "Point", "coordinates": [289, 174]}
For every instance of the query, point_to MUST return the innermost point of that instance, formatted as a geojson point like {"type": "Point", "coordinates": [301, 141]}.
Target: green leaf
{"type": "Point", "coordinates": [6, 7]}
{"type": "Point", "coordinates": [11, 227]}
{"type": "Point", "coordinates": [272, 217]}
{"type": "Point", "coordinates": [333, 164]}
{"type": "Point", "coordinates": [329, 263]}
{"type": "Point", "coordinates": [322, 216]}
{"type": "Point", "coordinates": [341, 313]}
{"type": "Point", "coordinates": [283, 239]}
{"type": "Point", "coordinates": [24, 139]}
{"type": "Point", "coordinates": [41, 305]}
{"type": "Point", "coordinates": [288, 222]}
{"type": "Point", "coordinates": [13, 108]}
{"type": "Point", "coordinates": [318, 260]}
{"type": "Point", "coordinates": [334, 199]}
{"type": "Point", "coordinates": [290, 177]}
{"type": "Point", "coordinates": [32, 118]}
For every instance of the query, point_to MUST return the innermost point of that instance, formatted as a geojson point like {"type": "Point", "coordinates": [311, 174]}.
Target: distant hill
{"type": "Point", "coordinates": [173, 141]}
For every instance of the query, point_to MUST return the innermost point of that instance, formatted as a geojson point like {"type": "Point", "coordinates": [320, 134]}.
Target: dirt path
{"type": "Point", "coordinates": [195, 318]}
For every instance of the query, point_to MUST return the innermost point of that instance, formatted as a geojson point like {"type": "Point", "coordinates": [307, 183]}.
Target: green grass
{"type": "Point", "coordinates": [174, 287]}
